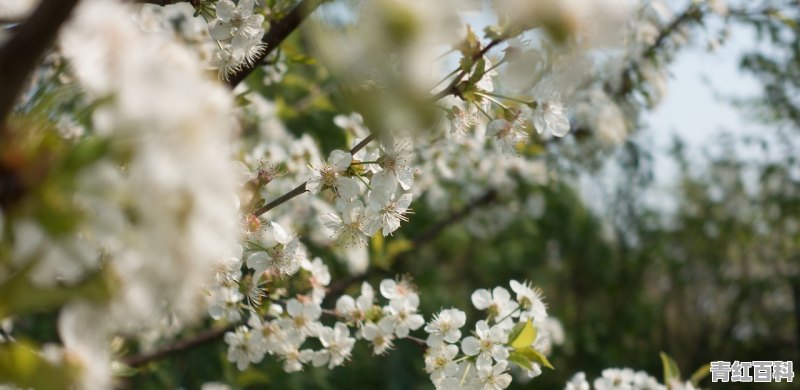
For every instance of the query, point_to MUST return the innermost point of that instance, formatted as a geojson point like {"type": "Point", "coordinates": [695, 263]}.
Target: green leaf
{"type": "Point", "coordinates": [700, 374]}
{"type": "Point", "coordinates": [84, 153]}
{"type": "Point", "coordinates": [531, 355]}
{"type": "Point", "coordinates": [477, 74]}
{"type": "Point", "coordinates": [252, 377]}
{"type": "Point", "coordinates": [398, 246]}
{"type": "Point", "coordinates": [493, 32]}
{"type": "Point", "coordinates": [18, 295]}
{"type": "Point", "coordinates": [524, 337]}
{"type": "Point", "coordinates": [22, 366]}
{"type": "Point", "coordinates": [122, 369]}
{"type": "Point", "coordinates": [541, 359]}
{"type": "Point", "coordinates": [470, 46]}
{"type": "Point", "coordinates": [520, 360]}
{"type": "Point", "coordinates": [515, 331]}
{"type": "Point", "coordinates": [671, 370]}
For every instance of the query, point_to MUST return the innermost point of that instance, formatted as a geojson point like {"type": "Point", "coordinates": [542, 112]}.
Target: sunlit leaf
{"type": "Point", "coordinates": [671, 370]}
{"type": "Point", "coordinates": [22, 365]}
{"type": "Point", "coordinates": [525, 337]}
{"type": "Point", "coordinates": [700, 374]}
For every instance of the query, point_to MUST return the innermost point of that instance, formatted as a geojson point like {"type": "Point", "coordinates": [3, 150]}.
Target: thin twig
{"type": "Point", "coordinates": [301, 189]}
{"type": "Point", "coordinates": [278, 32]}
{"type": "Point", "coordinates": [11, 20]}
{"type": "Point", "coordinates": [180, 345]}
{"type": "Point", "coordinates": [690, 13]}
{"type": "Point", "coordinates": [452, 88]}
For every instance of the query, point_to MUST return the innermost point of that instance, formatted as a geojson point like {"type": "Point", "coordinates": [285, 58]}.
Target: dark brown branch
{"type": "Point", "coordinates": [301, 189]}
{"type": "Point", "coordinates": [452, 88]}
{"type": "Point", "coordinates": [11, 20]}
{"type": "Point", "coordinates": [178, 346]}
{"type": "Point", "coordinates": [278, 32]}
{"type": "Point", "coordinates": [19, 56]}
{"type": "Point", "coordinates": [691, 12]}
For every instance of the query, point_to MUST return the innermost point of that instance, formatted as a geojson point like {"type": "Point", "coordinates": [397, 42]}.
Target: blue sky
{"type": "Point", "coordinates": [696, 107]}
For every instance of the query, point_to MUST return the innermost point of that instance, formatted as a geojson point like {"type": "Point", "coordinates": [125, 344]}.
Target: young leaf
{"type": "Point", "coordinates": [515, 332]}
{"type": "Point", "coordinates": [21, 365]}
{"type": "Point", "coordinates": [671, 370]}
{"type": "Point", "coordinates": [533, 356]}
{"type": "Point", "coordinates": [525, 337]}
{"type": "Point", "coordinates": [520, 359]}
{"type": "Point", "coordinates": [700, 374]}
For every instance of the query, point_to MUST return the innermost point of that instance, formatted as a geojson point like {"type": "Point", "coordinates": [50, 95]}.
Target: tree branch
{"type": "Point", "coordinates": [452, 88]}
{"type": "Point", "coordinates": [691, 12]}
{"type": "Point", "coordinates": [277, 33]}
{"type": "Point", "coordinates": [180, 345]}
{"type": "Point", "coordinates": [19, 56]}
{"type": "Point", "coordinates": [301, 189]}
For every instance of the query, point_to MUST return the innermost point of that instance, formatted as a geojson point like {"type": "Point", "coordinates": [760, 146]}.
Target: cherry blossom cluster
{"type": "Point", "coordinates": [237, 28]}
{"type": "Point", "coordinates": [514, 331]}
{"type": "Point", "coordinates": [282, 332]}
{"type": "Point", "coordinates": [387, 201]}
{"type": "Point", "coordinates": [286, 325]}
{"type": "Point", "coordinates": [624, 378]}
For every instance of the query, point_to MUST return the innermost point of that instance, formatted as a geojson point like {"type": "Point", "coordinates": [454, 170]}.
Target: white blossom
{"type": "Point", "coordinates": [380, 335]}
{"type": "Point", "coordinates": [331, 175]}
{"type": "Point", "coordinates": [395, 162]}
{"type": "Point", "coordinates": [493, 377]}
{"type": "Point", "coordinates": [402, 314]}
{"type": "Point", "coordinates": [386, 210]}
{"type": "Point", "coordinates": [337, 345]}
{"type": "Point", "coordinates": [489, 343]}
{"type": "Point", "coordinates": [235, 20]}
{"type": "Point", "coordinates": [507, 134]}
{"type": "Point", "coordinates": [578, 382]}
{"type": "Point", "coordinates": [303, 317]}
{"type": "Point", "coordinates": [350, 229]}
{"type": "Point", "coordinates": [225, 304]}
{"type": "Point", "coordinates": [549, 117]}
{"type": "Point", "coordinates": [284, 259]}
{"type": "Point", "coordinates": [439, 362]}
{"type": "Point", "coordinates": [445, 327]}
{"type": "Point", "coordinates": [355, 310]}
{"type": "Point", "coordinates": [288, 349]}
{"type": "Point", "coordinates": [240, 350]}
{"type": "Point", "coordinates": [319, 278]}
{"type": "Point", "coordinates": [530, 301]}
{"type": "Point", "coordinates": [498, 303]}
{"type": "Point", "coordinates": [397, 289]}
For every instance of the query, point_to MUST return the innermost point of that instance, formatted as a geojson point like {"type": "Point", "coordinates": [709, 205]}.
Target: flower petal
{"type": "Point", "coordinates": [470, 345]}
{"type": "Point", "coordinates": [481, 299]}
